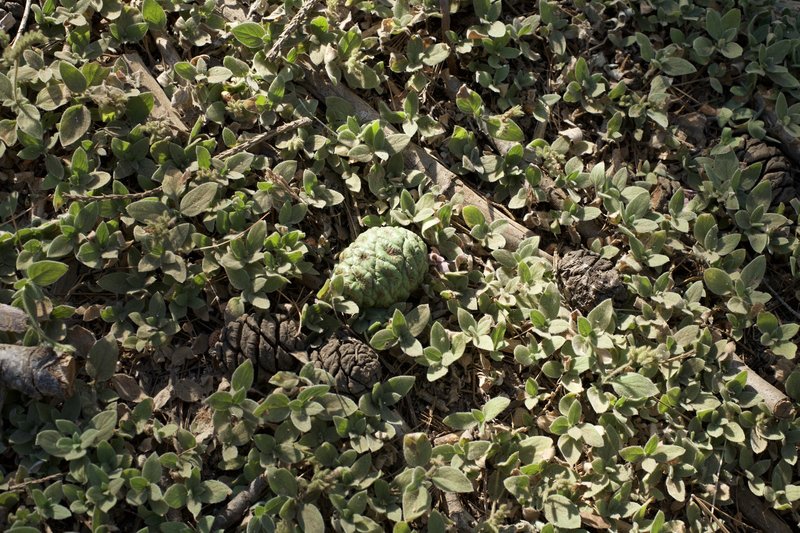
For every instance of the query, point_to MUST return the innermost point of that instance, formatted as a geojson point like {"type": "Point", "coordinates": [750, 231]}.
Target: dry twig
{"type": "Point", "coordinates": [247, 144]}
{"type": "Point", "coordinates": [757, 513]}
{"type": "Point", "coordinates": [779, 404]}
{"type": "Point", "coordinates": [236, 508]}
{"type": "Point", "coordinates": [129, 196]}
{"type": "Point", "coordinates": [24, 22]}
{"type": "Point", "coordinates": [291, 29]}
{"type": "Point", "coordinates": [163, 106]}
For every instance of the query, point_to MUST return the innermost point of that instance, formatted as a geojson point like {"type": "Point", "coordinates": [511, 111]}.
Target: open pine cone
{"type": "Point", "coordinates": [776, 169]}
{"type": "Point", "coordinates": [588, 279]}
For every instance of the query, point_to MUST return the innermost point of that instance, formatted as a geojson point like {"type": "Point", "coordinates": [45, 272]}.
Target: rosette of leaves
{"type": "Point", "coordinates": [382, 266]}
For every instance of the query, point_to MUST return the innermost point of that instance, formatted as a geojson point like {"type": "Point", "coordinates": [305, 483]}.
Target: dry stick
{"type": "Point", "coordinates": [449, 184]}
{"type": "Point", "coordinates": [233, 512]}
{"type": "Point", "coordinates": [36, 371]}
{"type": "Point", "coordinates": [163, 106]}
{"type": "Point", "coordinates": [463, 520]}
{"type": "Point", "coordinates": [13, 319]}
{"type": "Point", "coordinates": [261, 137]}
{"type": "Point", "coordinates": [24, 22]}
{"type": "Point", "coordinates": [168, 53]}
{"type": "Point", "coordinates": [779, 404]}
{"type": "Point", "coordinates": [791, 144]}
{"type": "Point", "coordinates": [19, 486]}
{"type": "Point", "coordinates": [129, 196]}
{"type": "Point", "coordinates": [758, 513]}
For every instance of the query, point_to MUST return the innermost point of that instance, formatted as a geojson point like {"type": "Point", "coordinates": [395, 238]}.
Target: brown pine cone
{"type": "Point", "coordinates": [352, 363]}
{"type": "Point", "coordinates": [272, 342]}
{"type": "Point", "coordinates": [588, 279]}
{"type": "Point", "coordinates": [776, 169]}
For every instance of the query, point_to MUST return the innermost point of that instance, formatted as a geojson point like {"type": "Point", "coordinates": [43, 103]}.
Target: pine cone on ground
{"type": "Point", "coordinates": [776, 169]}
{"type": "Point", "coordinates": [588, 279]}
{"type": "Point", "coordinates": [272, 342]}
{"type": "Point", "coordinates": [382, 266]}
{"type": "Point", "coordinates": [352, 363]}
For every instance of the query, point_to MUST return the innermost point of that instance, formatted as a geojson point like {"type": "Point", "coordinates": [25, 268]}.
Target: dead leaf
{"type": "Point", "coordinates": [593, 520]}
{"type": "Point", "coordinates": [91, 312]}
{"type": "Point", "coordinates": [203, 426]}
{"type": "Point", "coordinates": [200, 344]}
{"type": "Point", "coordinates": [783, 367]}
{"type": "Point", "coordinates": [163, 396]}
{"type": "Point", "coordinates": [575, 134]}
{"type": "Point", "coordinates": [128, 388]}
{"type": "Point", "coordinates": [447, 438]}
{"type": "Point", "coordinates": [81, 339]}
{"type": "Point", "coordinates": [180, 355]}
{"type": "Point", "coordinates": [189, 391]}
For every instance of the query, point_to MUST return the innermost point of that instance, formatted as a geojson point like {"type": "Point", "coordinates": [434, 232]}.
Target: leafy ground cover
{"type": "Point", "coordinates": [605, 334]}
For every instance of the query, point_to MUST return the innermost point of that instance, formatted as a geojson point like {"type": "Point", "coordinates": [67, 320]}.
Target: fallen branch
{"type": "Point", "coordinates": [13, 319]}
{"type": "Point", "coordinates": [233, 512]}
{"type": "Point", "coordinates": [163, 106]}
{"type": "Point", "coordinates": [462, 519]}
{"type": "Point", "coordinates": [757, 513]}
{"type": "Point", "coordinates": [779, 404]}
{"type": "Point", "coordinates": [791, 144]}
{"type": "Point", "coordinates": [415, 157]}
{"type": "Point", "coordinates": [169, 55]}
{"type": "Point", "coordinates": [36, 371]}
